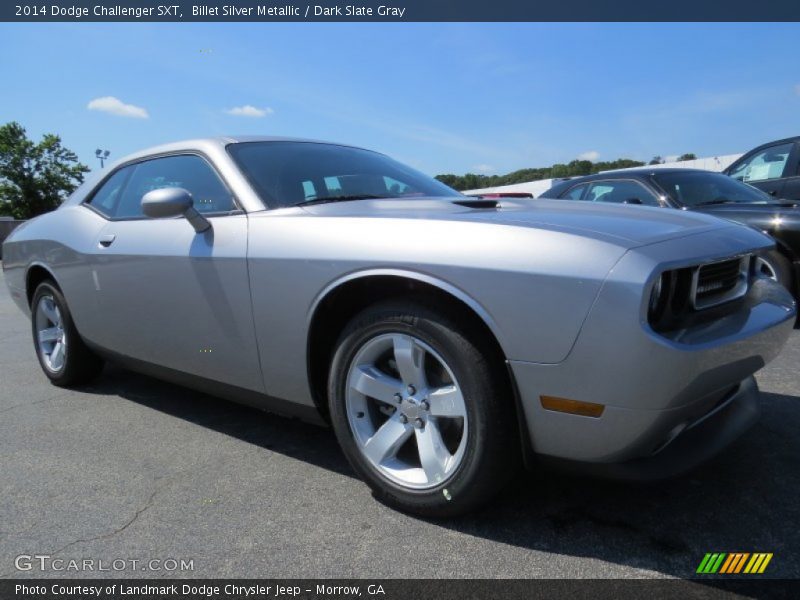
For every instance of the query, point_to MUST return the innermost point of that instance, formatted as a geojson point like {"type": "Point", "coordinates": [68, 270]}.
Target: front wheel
{"type": "Point", "coordinates": [421, 411]}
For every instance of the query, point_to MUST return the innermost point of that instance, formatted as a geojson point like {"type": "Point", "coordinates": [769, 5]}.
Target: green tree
{"type": "Point", "coordinates": [657, 160]}
{"type": "Point", "coordinates": [575, 168]}
{"type": "Point", "coordinates": [35, 178]}
{"type": "Point", "coordinates": [688, 156]}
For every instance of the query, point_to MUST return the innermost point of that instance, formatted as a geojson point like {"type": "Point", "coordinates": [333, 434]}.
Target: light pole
{"type": "Point", "coordinates": [101, 155]}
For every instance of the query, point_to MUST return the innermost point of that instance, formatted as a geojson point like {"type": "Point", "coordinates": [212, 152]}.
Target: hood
{"type": "Point", "coordinates": [623, 225]}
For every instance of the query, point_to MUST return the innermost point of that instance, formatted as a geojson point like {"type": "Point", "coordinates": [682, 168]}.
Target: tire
{"type": "Point", "coordinates": [52, 326]}
{"type": "Point", "coordinates": [776, 266]}
{"type": "Point", "coordinates": [470, 446]}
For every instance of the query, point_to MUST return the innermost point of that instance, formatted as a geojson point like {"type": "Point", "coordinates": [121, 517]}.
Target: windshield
{"type": "Point", "coordinates": [691, 188]}
{"type": "Point", "coordinates": [291, 173]}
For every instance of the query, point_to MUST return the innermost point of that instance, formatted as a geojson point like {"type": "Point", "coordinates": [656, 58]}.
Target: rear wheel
{"type": "Point", "coordinates": [420, 410]}
{"type": "Point", "coordinates": [63, 356]}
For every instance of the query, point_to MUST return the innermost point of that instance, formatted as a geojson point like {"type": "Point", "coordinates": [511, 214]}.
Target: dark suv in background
{"type": "Point", "coordinates": [773, 167]}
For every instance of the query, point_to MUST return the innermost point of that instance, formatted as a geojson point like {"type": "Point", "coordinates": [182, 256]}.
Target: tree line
{"type": "Point", "coordinates": [575, 168]}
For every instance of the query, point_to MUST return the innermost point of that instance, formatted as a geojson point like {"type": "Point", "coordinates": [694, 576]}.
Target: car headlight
{"type": "Point", "coordinates": [658, 297]}
{"type": "Point", "coordinates": [679, 297]}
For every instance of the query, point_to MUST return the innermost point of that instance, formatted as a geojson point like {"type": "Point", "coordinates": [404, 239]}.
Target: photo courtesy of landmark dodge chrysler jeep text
{"type": "Point", "coordinates": [445, 338]}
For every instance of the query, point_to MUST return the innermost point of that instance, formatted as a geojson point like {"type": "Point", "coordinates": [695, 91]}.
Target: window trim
{"type": "Point", "coordinates": [87, 201]}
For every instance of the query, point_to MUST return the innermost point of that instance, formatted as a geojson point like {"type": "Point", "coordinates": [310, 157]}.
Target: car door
{"type": "Point", "coordinates": [168, 295]}
{"type": "Point", "coordinates": [791, 185]}
{"type": "Point", "coordinates": [766, 168]}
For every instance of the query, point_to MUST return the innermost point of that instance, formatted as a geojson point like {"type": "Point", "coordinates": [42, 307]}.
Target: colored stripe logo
{"type": "Point", "coordinates": [734, 563]}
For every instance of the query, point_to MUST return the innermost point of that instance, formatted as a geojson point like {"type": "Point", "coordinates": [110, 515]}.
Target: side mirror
{"type": "Point", "coordinates": [173, 202]}
{"type": "Point", "coordinates": [632, 201]}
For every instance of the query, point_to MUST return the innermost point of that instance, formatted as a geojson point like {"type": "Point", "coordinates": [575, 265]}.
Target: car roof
{"type": "Point", "coordinates": [788, 140]}
{"type": "Point", "coordinates": [207, 144]}
{"type": "Point", "coordinates": [643, 172]}
{"type": "Point", "coordinates": [637, 173]}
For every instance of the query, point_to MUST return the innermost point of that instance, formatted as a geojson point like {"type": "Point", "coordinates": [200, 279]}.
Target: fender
{"type": "Point", "coordinates": [417, 276]}
{"type": "Point", "coordinates": [25, 292]}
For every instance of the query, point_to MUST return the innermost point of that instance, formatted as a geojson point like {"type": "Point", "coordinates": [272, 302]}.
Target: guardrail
{"type": "Point", "coordinates": [6, 227]}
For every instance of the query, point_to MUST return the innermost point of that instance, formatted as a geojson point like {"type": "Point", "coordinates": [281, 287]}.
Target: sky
{"type": "Point", "coordinates": [442, 97]}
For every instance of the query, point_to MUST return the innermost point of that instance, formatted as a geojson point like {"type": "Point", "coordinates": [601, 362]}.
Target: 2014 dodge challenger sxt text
{"type": "Point", "coordinates": [444, 337]}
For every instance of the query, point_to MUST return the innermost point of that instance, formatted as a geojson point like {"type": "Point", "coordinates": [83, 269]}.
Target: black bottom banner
{"type": "Point", "coordinates": [394, 589]}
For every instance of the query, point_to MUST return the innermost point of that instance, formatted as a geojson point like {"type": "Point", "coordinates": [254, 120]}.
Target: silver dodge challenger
{"type": "Point", "coordinates": [446, 339]}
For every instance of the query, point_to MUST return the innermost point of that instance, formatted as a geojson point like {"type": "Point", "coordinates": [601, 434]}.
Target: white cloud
{"type": "Point", "coordinates": [115, 106]}
{"type": "Point", "coordinates": [484, 168]}
{"type": "Point", "coordinates": [249, 111]}
{"type": "Point", "coordinates": [592, 155]}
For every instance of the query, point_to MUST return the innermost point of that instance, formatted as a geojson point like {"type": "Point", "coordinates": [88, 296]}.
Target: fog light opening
{"type": "Point", "coordinates": [673, 433]}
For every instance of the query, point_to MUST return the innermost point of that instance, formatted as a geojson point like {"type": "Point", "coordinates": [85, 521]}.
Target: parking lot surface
{"type": "Point", "coordinates": [135, 469]}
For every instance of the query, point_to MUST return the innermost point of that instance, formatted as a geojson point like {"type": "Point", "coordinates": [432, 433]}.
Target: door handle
{"type": "Point", "coordinates": [107, 240]}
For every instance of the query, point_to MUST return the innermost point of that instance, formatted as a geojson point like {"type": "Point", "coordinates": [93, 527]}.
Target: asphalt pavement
{"type": "Point", "coordinates": [133, 469]}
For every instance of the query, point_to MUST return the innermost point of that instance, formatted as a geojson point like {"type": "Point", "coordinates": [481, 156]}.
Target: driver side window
{"type": "Point", "coordinates": [764, 165]}
{"type": "Point", "coordinates": [188, 171]}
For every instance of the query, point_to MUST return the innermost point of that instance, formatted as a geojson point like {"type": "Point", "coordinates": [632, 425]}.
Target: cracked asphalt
{"type": "Point", "coordinates": [133, 468]}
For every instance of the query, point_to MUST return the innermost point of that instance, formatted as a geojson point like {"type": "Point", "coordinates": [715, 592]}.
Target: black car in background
{"type": "Point", "coordinates": [704, 191]}
{"type": "Point", "coordinates": [773, 167]}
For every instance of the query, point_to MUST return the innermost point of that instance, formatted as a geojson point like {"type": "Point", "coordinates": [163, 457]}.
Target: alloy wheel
{"type": "Point", "coordinates": [51, 339]}
{"type": "Point", "coordinates": [406, 411]}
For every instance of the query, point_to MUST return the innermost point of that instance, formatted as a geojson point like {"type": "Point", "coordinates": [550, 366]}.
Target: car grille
{"type": "Point", "coordinates": [720, 282]}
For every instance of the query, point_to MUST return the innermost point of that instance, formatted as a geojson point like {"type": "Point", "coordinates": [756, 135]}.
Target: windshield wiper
{"type": "Point", "coordinates": [342, 198]}
{"type": "Point", "coordinates": [717, 201]}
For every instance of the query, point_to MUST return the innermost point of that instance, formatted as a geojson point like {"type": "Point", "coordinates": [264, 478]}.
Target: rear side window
{"type": "Point", "coordinates": [189, 172]}
{"type": "Point", "coordinates": [106, 198]}
{"type": "Point", "coordinates": [575, 193]}
{"type": "Point", "coordinates": [620, 192]}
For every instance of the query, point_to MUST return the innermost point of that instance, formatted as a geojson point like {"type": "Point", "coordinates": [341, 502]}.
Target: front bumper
{"type": "Point", "coordinates": [670, 400]}
{"type": "Point", "coordinates": [694, 445]}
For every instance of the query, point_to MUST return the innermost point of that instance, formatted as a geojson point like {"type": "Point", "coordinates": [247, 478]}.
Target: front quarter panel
{"type": "Point", "coordinates": [649, 382]}
{"type": "Point", "coordinates": [532, 287]}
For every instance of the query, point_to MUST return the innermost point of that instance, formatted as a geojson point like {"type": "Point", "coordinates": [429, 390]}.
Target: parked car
{"type": "Point", "coordinates": [773, 167]}
{"type": "Point", "coordinates": [707, 192]}
{"type": "Point", "coordinates": [444, 338]}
